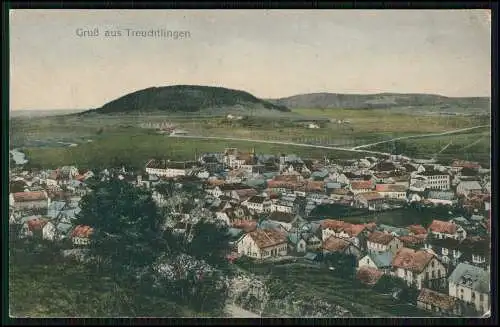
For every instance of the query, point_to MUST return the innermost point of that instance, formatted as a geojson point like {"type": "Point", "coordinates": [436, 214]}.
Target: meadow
{"type": "Point", "coordinates": [110, 139]}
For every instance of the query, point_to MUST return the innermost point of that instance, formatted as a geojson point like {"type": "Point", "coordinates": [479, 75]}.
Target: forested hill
{"type": "Point", "coordinates": [187, 99]}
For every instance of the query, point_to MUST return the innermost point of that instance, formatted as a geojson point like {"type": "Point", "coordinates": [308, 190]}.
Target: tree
{"type": "Point", "coordinates": [209, 242]}
{"type": "Point", "coordinates": [126, 224]}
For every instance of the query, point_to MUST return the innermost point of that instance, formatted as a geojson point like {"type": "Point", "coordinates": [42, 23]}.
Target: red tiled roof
{"type": "Point", "coordinates": [440, 226]}
{"type": "Point", "coordinates": [265, 238]}
{"type": "Point", "coordinates": [390, 188]}
{"type": "Point", "coordinates": [417, 229]}
{"type": "Point", "coordinates": [82, 231]}
{"type": "Point", "coordinates": [371, 226]}
{"type": "Point", "coordinates": [360, 185]}
{"type": "Point", "coordinates": [36, 224]}
{"type": "Point", "coordinates": [335, 244]}
{"type": "Point", "coordinates": [371, 196]}
{"type": "Point", "coordinates": [443, 301]}
{"type": "Point", "coordinates": [411, 240]}
{"type": "Point", "coordinates": [246, 225]}
{"type": "Point", "coordinates": [380, 238]}
{"type": "Point", "coordinates": [465, 164]}
{"type": "Point", "coordinates": [409, 259]}
{"type": "Point", "coordinates": [282, 184]}
{"type": "Point", "coordinates": [332, 224]}
{"type": "Point", "coordinates": [29, 196]}
{"type": "Point", "coordinates": [368, 275]}
{"type": "Point", "coordinates": [353, 230]}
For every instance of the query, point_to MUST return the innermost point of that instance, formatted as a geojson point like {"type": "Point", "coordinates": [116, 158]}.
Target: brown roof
{"type": "Point", "coordinates": [332, 224]}
{"type": "Point", "coordinates": [412, 240]}
{"type": "Point", "coordinates": [282, 217]}
{"type": "Point", "coordinates": [440, 226]}
{"type": "Point", "coordinates": [417, 229]}
{"type": "Point", "coordinates": [246, 225]}
{"type": "Point", "coordinates": [265, 238]}
{"type": "Point", "coordinates": [36, 224]}
{"type": "Point", "coordinates": [371, 196]}
{"type": "Point", "coordinates": [353, 229]}
{"type": "Point", "coordinates": [82, 231]}
{"type": "Point", "coordinates": [359, 185]}
{"type": "Point", "coordinates": [368, 275]}
{"type": "Point", "coordinates": [335, 244]}
{"type": "Point", "coordinates": [380, 238]}
{"type": "Point", "coordinates": [29, 196]}
{"type": "Point", "coordinates": [340, 191]}
{"type": "Point", "coordinates": [371, 226]}
{"type": "Point", "coordinates": [439, 300]}
{"type": "Point", "coordinates": [409, 259]}
{"type": "Point", "coordinates": [390, 188]}
{"type": "Point", "coordinates": [246, 194]}
{"type": "Point", "coordinates": [215, 181]}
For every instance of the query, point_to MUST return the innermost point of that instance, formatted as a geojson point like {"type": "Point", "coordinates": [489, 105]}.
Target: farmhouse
{"type": "Point", "coordinates": [373, 201]}
{"type": "Point", "coordinates": [446, 229]}
{"type": "Point", "coordinates": [167, 168]}
{"type": "Point", "coordinates": [40, 228]}
{"type": "Point", "coordinates": [29, 201]}
{"type": "Point", "coordinates": [377, 260]}
{"type": "Point", "coordinates": [417, 268]}
{"type": "Point", "coordinates": [263, 243]}
{"type": "Point", "coordinates": [339, 245]}
{"type": "Point", "coordinates": [357, 187]}
{"type": "Point", "coordinates": [383, 242]}
{"type": "Point", "coordinates": [391, 191]}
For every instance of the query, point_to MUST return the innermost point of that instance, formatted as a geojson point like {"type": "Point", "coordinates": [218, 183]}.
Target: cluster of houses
{"type": "Point", "coordinates": [266, 202]}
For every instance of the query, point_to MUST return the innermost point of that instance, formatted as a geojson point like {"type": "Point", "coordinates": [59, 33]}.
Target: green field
{"type": "Point", "coordinates": [471, 145]}
{"type": "Point", "coordinates": [109, 139]}
{"type": "Point", "coordinates": [135, 150]}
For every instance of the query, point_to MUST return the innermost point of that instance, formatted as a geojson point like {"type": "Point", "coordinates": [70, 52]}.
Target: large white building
{"type": "Point", "coordinates": [471, 284]}
{"type": "Point", "coordinates": [167, 168]}
{"type": "Point", "coordinates": [437, 180]}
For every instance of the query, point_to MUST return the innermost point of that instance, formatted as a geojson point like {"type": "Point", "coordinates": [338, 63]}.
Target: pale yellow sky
{"type": "Point", "coordinates": [269, 53]}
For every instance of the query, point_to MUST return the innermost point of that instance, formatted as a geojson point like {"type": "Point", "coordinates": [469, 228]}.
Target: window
{"type": "Point", "coordinates": [481, 297]}
{"type": "Point", "coordinates": [433, 275]}
{"type": "Point", "coordinates": [473, 296]}
{"type": "Point", "coordinates": [427, 275]}
{"type": "Point", "coordinates": [439, 273]}
{"type": "Point", "coordinates": [432, 264]}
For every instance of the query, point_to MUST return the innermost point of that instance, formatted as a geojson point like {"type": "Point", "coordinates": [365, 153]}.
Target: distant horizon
{"type": "Point", "coordinates": [288, 96]}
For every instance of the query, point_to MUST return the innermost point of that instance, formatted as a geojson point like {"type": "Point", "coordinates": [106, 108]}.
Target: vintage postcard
{"type": "Point", "coordinates": [250, 163]}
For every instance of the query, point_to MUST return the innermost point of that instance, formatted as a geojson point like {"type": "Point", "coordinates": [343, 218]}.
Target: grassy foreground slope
{"type": "Point", "coordinates": [41, 286]}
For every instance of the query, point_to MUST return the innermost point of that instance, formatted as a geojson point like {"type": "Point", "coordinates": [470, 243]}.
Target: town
{"type": "Point", "coordinates": [280, 208]}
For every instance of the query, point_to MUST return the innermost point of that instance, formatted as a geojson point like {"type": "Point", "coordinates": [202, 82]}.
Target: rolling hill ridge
{"type": "Point", "coordinates": [428, 102]}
